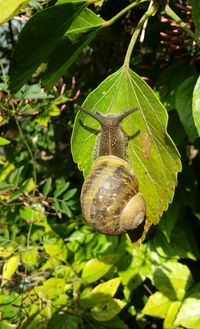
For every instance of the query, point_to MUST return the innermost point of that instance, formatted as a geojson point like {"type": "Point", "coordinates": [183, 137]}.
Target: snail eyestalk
{"type": "Point", "coordinates": [102, 118]}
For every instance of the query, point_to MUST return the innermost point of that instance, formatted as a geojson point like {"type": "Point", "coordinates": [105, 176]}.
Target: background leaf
{"type": "Point", "coordinates": [151, 152]}
{"type": "Point", "coordinates": [196, 14]}
{"type": "Point", "coordinates": [183, 105]}
{"type": "Point", "coordinates": [82, 30]}
{"type": "Point", "coordinates": [38, 39]}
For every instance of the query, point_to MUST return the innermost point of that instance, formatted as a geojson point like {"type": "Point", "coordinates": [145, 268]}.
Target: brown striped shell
{"type": "Point", "coordinates": [110, 200]}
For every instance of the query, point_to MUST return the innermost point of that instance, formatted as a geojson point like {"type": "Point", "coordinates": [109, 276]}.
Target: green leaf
{"type": "Point", "coordinates": [38, 39]}
{"type": "Point", "coordinates": [15, 176]}
{"type": "Point", "coordinates": [170, 79]}
{"type": "Point", "coordinates": [151, 152]}
{"type": "Point", "coordinates": [55, 247]}
{"type": "Point", "coordinates": [8, 9]}
{"type": "Point", "coordinates": [50, 289]}
{"type": "Point", "coordinates": [157, 305]}
{"type": "Point", "coordinates": [4, 141]}
{"type": "Point", "coordinates": [107, 310]}
{"type": "Point", "coordinates": [183, 105]}
{"type": "Point", "coordinates": [180, 245]}
{"type": "Point", "coordinates": [35, 217]}
{"type": "Point", "coordinates": [196, 15]}
{"type": "Point", "coordinates": [69, 194]}
{"type": "Point", "coordinates": [9, 268]}
{"type": "Point", "coordinates": [63, 321]}
{"type": "Point", "coordinates": [30, 256]}
{"type": "Point", "coordinates": [95, 269]}
{"type": "Point", "coordinates": [171, 315]}
{"type": "Point", "coordinates": [47, 187]}
{"type": "Point", "coordinates": [82, 30]}
{"type": "Point", "coordinates": [189, 314]}
{"type": "Point", "coordinates": [169, 220]}
{"type": "Point", "coordinates": [196, 104]}
{"type": "Point", "coordinates": [173, 280]}
{"type": "Point", "coordinates": [101, 293]}
{"type": "Point", "coordinates": [61, 186]}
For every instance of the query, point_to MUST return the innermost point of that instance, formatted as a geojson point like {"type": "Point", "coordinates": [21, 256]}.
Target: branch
{"type": "Point", "coordinates": [183, 25]}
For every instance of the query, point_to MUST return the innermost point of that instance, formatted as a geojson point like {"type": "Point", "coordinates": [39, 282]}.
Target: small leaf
{"type": "Point", "coordinates": [183, 105]}
{"type": "Point", "coordinates": [151, 152]}
{"type": "Point", "coordinates": [61, 186]}
{"type": "Point", "coordinates": [70, 194]}
{"type": "Point", "coordinates": [157, 305]}
{"type": "Point", "coordinates": [15, 177]}
{"type": "Point", "coordinates": [66, 209]}
{"type": "Point", "coordinates": [50, 289]}
{"type": "Point", "coordinates": [47, 187]}
{"type": "Point", "coordinates": [8, 8]}
{"type": "Point", "coordinates": [4, 141]}
{"type": "Point", "coordinates": [101, 293]}
{"type": "Point", "coordinates": [38, 39]}
{"type": "Point", "coordinates": [107, 310]}
{"type": "Point", "coordinates": [196, 103]}
{"type": "Point", "coordinates": [95, 269]}
{"type": "Point", "coordinates": [34, 216]}
{"type": "Point", "coordinates": [55, 247]}
{"type": "Point", "coordinates": [9, 268]}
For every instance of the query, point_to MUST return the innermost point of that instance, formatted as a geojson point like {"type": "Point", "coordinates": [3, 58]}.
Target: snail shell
{"type": "Point", "coordinates": [109, 199]}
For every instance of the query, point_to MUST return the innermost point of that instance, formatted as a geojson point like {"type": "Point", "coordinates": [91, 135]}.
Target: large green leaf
{"type": "Point", "coordinates": [196, 14]}
{"type": "Point", "coordinates": [38, 39]}
{"type": "Point", "coordinates": [183, 104]}
{"type": "Point", "coordinates": [8, 8]}
{"type": "Point", "coordinates": [82, 30]}
{"type": "Point", "coordinates": [196, 105]}
{"type": "Point", "coordinates": [151, 152]}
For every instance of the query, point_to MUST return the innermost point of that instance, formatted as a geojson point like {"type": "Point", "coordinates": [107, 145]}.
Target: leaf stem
{"type": "Point", "coordinates": [122, 12]}
{"type": "Point", "coordinates": [29, 150]}
{"type": "Point", "coordinates": [183, 25]}
{"type": "Point", "coordinates": [150, 12]}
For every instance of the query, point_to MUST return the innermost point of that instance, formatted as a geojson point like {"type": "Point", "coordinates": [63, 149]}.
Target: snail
{"type": "Point", "coordinates": [110, 199]}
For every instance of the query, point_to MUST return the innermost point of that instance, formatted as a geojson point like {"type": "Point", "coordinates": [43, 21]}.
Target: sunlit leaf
{"type": "Point", "coordinates": [151, 152]}
{"type": "Point", "coordinates": [4, 141]}
{"type": "Point", "coordinates": [196, 104]}
{"type": "Point", "coordinates": [9, 268]}
{"type": "Point", "coordinates": [173, 280]}
{"type": "Point", "coordinates": [189, 314]}
{"type": "Point", "coordinates": [101, 293]}
{"type": "Point", "coordinates": [8, 8]}
{"type": "Point", "coordinates": [107, 310]}
{"type": "Point", "coordinates": [157, 305]}
{"type": "Point", "coordinates": [95, 269]}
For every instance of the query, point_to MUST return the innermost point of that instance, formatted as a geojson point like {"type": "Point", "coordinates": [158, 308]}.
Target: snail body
{"type": "Point", "coordinates": [110, 198]}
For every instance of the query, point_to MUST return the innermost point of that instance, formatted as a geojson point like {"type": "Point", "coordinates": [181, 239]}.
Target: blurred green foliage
{"type": "Point", "coordinates": [56, 272]}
